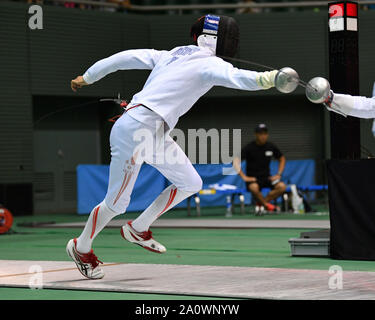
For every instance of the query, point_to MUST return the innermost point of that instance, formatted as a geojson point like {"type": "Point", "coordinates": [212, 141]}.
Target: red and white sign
{"type": "Point", "coordinates": [341, 12]}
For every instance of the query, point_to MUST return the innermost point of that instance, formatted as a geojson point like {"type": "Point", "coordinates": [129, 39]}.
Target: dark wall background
{"type": "Point", "coordinates": [41, 63]}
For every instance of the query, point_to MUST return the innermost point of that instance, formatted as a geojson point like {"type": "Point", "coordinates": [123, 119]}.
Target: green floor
{"type": "Point", "coordinates": [244, 247]}
{"type": "Point", "coordinates": [45, 294]}
{"type": "Point", "coordinates": [206, 213]}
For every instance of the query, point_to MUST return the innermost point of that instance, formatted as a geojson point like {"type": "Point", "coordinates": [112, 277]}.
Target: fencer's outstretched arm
{"type": "Point", "coordinates": [125, 60]}
{"type": "Point", "coordinates": [318, 90]}
{"type": "Point", "coordinates": [226, 75]}
{"type": "Point", "coordinates": [355, 106]}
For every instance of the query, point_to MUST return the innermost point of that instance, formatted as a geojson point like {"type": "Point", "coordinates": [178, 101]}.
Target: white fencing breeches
{"type": "Point", "coordinates": [132, 143]}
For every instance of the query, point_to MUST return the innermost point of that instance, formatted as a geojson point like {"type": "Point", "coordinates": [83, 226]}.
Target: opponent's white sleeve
{"type": "Point", "coordinates": [355, 106]}
{"type": "Point", "coordinates": [125, 60]}
{"type": "Point", "coordinates": [226, 75]}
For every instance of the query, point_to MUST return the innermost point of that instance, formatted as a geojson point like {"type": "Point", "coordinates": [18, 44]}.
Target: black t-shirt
{"type": "Point", "coordinates": [258, 158]}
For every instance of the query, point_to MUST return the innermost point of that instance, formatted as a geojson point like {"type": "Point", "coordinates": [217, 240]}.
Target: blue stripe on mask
{"type": "Point", "coordinates": [211, 24]}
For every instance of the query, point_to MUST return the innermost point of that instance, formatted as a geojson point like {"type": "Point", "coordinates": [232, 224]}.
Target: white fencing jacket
{"type": "Point", "coordinates": [178, 79]}
{"type": "Point", "coordinates": [355, 106]}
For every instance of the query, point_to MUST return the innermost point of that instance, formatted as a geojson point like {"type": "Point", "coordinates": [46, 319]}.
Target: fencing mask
{"type": "Point", "coordinates": [220, 34]}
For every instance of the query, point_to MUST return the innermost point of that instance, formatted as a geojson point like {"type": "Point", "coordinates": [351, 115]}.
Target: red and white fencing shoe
{"type": "Point", "coordinates": [143, 239]}
{"type": "Point", "coordinates": [87, 263]}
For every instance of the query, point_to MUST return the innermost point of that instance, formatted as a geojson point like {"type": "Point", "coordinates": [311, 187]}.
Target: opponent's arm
{"type": "Point", "coordinates": [355, 106]}
{"type": "Point", "coordinates": [318, 90]}
{"type": "Point", "coordinates": [125, 60]}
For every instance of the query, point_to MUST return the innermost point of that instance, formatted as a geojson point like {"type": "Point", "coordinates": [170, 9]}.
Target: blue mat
{"type": "Point", "coordinates": [92, 182]}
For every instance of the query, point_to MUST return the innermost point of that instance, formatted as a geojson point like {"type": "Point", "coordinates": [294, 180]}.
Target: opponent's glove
{"type": "Point", "coordinates": [328, 101]}
{"type": "Point", "coordinates": [331, 106]}
{"type": "Point", "coordinates": [318, 90]}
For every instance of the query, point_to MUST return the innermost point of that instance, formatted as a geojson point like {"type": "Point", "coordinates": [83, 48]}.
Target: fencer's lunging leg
{"type": "Point", "coordinates": [123, 173]}
{"type": "Point", "coordinates": [138, 231]}
{"type": "Point", "coordinates": [185, 182]}
{"type": "Point", "coordinates": [170, 197]}
{"type": "Point", "coordinates": [98, 219]}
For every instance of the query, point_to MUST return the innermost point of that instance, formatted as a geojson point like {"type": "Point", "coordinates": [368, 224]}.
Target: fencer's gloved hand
{"type": "Point", "coordinates": [330, 106]}
{"type": "Point", "coordinates": [78, 83]}
{"type": "Point", "coordinates": [287, 80]}
{"type": "Point", "coordinates": [318, 90]}
{"type": "Point", "coordinates": [266, 79]}
{"type": "Point", "coordinates": [328, 101]}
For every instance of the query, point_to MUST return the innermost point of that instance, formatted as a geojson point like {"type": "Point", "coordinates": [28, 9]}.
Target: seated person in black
{"type": "Point", "coordinates": [258, 154]}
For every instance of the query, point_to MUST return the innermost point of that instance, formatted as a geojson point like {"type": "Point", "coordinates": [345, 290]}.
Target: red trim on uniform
{"type": "Point", "coordinates": [127, 182]}
{"type": "Point", "coordinates": [123, 182]}
{"type": "Point", "coordinates": [137, 105]}
{"type": "Point", "coordinates": [122, 104]}
{"type": "Point", "coordinates": [95, 218]}
{"type": "Point", "coordinates": [134, 158]}
{"type": "Point", "coordinates": [123, 187]}
{"type": "Point", "coordinates": [113, 119]}
{"type": "Point", "coordinates": [172, 195]}
{"type": "Point", "coordinates": [168, 202]}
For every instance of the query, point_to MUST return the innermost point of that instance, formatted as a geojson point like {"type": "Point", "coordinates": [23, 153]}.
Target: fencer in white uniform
{"type": "Point", "coordinates": [179, 77]}
{"type": "Point", "coordinates": [318, 90]}
{"type": "Point", "coordinates": [355, 106]}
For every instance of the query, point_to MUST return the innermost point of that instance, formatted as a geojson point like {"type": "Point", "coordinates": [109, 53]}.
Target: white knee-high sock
{"type": "Point", "coordinates": [98, 219]}
{"type": "Point", "coordinates": [170, 197]}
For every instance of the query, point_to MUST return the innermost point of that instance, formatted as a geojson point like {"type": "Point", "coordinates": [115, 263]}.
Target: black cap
{"type": "Point", "coordinates": [261, 128]}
